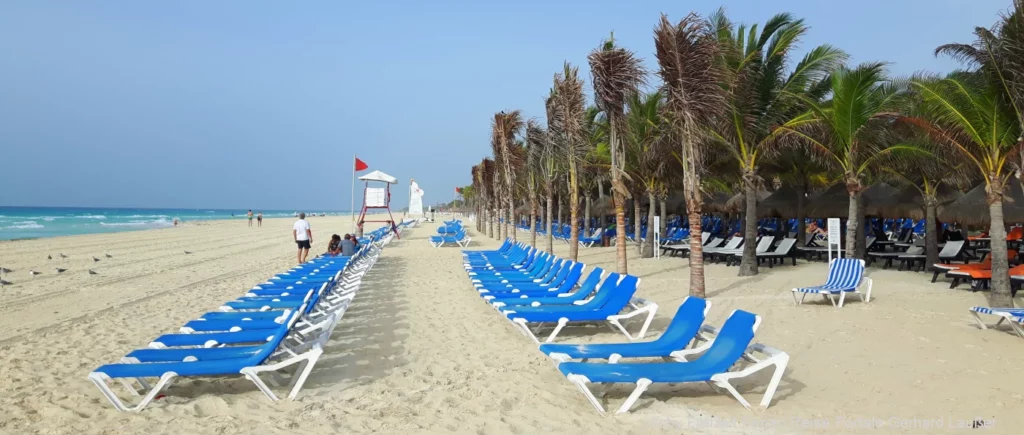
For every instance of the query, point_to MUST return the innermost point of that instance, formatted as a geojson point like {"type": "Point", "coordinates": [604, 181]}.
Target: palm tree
{"type": "Point", "coordinates": [760, 93]}
{"type": "Point", "coordinates": [687, 54]}
{"type": "Point", "coordinates": [548, 169]}
{"type": "Point", "coordinates": [616, 73]}
{"type": "Point", "coordinates": [972, 117]}
{"type": "Point", "coordinates": [568, 129]}
{"type": "Point", "coordinates": [487, 180]}
{"type": "Point", "coordinates": [535, 138]}
{"type": "Point", "coordinates": [848, 132]}
{"type": "Point", "coordinates": [480, 196]}
{"type": "Point", "coordinates": [647, 157]}
{"type": "Point", "coordinates": [503, 132]}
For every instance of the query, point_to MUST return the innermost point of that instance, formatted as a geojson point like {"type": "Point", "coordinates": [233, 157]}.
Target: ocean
{"type": "Point", "coordinates": [35, 222]}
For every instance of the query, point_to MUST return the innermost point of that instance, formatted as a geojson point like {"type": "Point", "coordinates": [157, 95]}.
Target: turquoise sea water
{"type": "Point", "coordinates": [35, 222]}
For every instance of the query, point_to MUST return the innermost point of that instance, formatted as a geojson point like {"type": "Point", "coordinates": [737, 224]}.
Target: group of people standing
{"type": "Point", "coordinates": [303, 236]}
{"type": "Point", "coordinates": [259, 218]}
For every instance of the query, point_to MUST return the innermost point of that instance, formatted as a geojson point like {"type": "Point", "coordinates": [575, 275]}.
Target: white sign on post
{"type": "Point", "coordinates": [657, 236]}
{"type": "Point", "coordinates": [834, 238]}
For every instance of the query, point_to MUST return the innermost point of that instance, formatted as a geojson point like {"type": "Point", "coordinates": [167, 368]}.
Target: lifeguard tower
{"type": "Point", "coordinates": [376, 198]}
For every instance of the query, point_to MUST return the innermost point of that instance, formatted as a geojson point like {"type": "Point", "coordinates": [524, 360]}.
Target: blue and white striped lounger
{"type": "Point", "coordinates": [1012, 316]}
{"type": "Point", "coordinates": [845, 275]}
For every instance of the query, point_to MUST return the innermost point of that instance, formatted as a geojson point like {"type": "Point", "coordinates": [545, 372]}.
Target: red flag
{"type": "Point", "coordinates": [458, 190]}
{"type": "Point", "coordinates": [361, 165]}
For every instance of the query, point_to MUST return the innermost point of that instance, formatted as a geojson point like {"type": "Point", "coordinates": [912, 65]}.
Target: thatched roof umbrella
{"type": "Point", "coordinates": [715, 202]}
{"type": "Point", "coordinates": [880, 199]}
{"type": "Point", "coordinates": [910, 202]}
{"type": "Point", "coordinates": [972, 207]}
{"type": "Point", "coordinates": [602, 206]}
{"type": "Point", "coordinates": [781, 203]}
{"type": "Point", "coordinates": [738, 202]}
{"type": "Point", "coordinates": [833, 202]}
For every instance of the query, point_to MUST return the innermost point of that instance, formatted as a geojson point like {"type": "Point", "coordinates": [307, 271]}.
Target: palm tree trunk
{"type": "Point", "coordinates": [574, 215]}
{"type": "Point", "coordinates": [861, 228]}
{"type": "Point", "coordinates": [999, 296]}
{"type": "Point", "coordinates": [490, 223]}
{"type": "Point", "coordinates": [513, 220]}
{"type": "Point", "coordinates": [852, 224]}
{"type": "Point", "coordinates": [547, 213]}
{"type": "Point", "coordinates": [801, 218]}
{"type": "Point", "coordinates": [561, 221]}
{"type": "Point", "coordinates": [619, 197]}
{"type": "Point", "coordinates": [696, 252]}
{"type": "Point", "coordinates": [586, 216]}
{"type": "Point", "coordinates": [636, 223]}
{"type": "Point", "coordinates": [664, 216]}
{"type": "Point", "coordinates": [931, 236]}
{"type": "Point", "coordinates": [748, 265]}
{"type": "Point", "coordinates": [534, 206]}
{"type": "Point", "coordinates": [647, 250]}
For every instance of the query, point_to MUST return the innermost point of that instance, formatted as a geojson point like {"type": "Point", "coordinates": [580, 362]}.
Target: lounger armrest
{"type": "Point", "coordinates": [640, 306]}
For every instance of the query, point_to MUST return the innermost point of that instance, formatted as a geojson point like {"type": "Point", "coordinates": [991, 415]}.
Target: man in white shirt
{"type": "Point", "coordinates": [303, 237]}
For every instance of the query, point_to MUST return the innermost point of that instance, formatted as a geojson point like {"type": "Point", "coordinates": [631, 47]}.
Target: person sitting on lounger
{"type": "Point", "coordinates": [813, 228]}
{"type": "Point", "coordinates": [349, 246]}
{"type": "Point", "coordinates": [334, 247]}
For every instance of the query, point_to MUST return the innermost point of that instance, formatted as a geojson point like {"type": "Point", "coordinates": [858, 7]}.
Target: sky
{"type": "Point", "coordinates": [262, 104]}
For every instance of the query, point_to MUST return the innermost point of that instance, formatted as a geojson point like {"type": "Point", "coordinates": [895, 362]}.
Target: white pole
{"type": "Point", "coordinates": [352, 206]}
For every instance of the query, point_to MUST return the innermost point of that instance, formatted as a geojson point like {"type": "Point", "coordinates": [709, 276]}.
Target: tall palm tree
{"type": "Point", "coordinates": [535, 137]}
{"type": "Point", "coordinates": [687, 54]}
{"type": "Point", "coordinates": [548, 169]}
{"type": "Point", "coordinates": [504, 128]}
{"type": "Point", "coordinates": [569, 129]}
{"type": "Point", "coordinates": [848, 132]}
{"type": "Point", "coordinates": [969, 115]}
{"type": "Point", "coordinates": [616, 74]}
{"type": "Point", "coordinates": [487, 182]}
{"type": "Point", "coordinates": [480, 196]}
{"type": "Point", "coordinates": [760, 93]}
{"type": "Point", "coordinates": [648, 156]}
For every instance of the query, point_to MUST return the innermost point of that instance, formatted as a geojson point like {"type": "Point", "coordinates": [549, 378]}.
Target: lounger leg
{"type": "Point", "coordinates": [842, 297]}
{"type": "Point", "coordinates": [558, 328]}
{"type": "Point", "coordinates": [641, 386]}
{"type": "Point", "coordinates": [99, 380]}
{"type": "Point", "coordinates": [581, 384]}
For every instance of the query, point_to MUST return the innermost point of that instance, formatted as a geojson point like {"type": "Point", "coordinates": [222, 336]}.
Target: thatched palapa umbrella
{"type": "Point", "coordinates": [783, 203]}
{"type": "Point", "coordinates": [738, 202]}
{"type": "Point", "coordinates": [972, 207]}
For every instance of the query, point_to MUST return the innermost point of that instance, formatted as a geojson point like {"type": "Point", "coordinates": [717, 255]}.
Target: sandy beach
{"type": "Point", "coordinates": [419, 352]}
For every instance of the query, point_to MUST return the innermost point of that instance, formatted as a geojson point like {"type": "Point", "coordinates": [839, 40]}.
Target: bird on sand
{"type": "Point", "coordinates": [62, 255]}
{"type": "Point", "coordinates": [95, 259]}
{"type": "Point", "coordinates": [3, 283]}
{"type": "Point", "coordinates": [5, 270]}
{"type": "Point", "coordinates": [49, 257]}
{"type": "Point", "coordinates": [108, 255]}
{"type": "Point", "coordinates": [59, 270]}
{"type": "Point", "coordinates": [93, 272]}
{"type": "Point", "coordinates": [33, 273]}
{"type": "Point", "coordinates": [188, 252]}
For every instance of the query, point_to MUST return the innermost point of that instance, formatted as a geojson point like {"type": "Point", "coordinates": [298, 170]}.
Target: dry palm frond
{"type": "Point", "coordinates": [616, 73]}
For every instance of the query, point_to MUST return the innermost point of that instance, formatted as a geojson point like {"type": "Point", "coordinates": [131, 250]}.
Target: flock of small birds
{"type": "Point", "coordinates": [59, 270]}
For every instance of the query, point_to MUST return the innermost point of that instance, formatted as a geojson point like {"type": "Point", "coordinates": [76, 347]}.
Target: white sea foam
{"type": "Point", "coordinates": [139, 223]}
{"type": "Point", "coordinates": [136, 216]}
{"type": "Point", "coordinates": [91, 216]}
{"type": "Point", "coordinates": [24, 225]}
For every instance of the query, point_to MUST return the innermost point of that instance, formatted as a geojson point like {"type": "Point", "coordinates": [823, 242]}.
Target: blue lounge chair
{"type": "Point", "coordinates": [560, 296]}
{"type": "Point", "coordinates": [613, 307]}
{"type": "Point", "coordinates": [684, 329]}
{"type": "Point", "coordinates": [1012, 316]}
{"type": "Point", "coordinates": [713, 366]}
{"type": "Point", "coordinates": [845, 275]}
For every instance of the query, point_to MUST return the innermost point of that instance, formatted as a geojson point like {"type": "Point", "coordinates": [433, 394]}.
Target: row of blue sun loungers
{"type": "Point", "coordinates": [534, 290]}
{"type": "Point", "coordinates": [450, 233]}
{"type": "Point", "coordinates": [278, 325]}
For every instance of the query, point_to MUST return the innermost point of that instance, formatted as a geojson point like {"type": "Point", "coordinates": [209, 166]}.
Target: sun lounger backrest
{"type": "Point", "coordinates": [733, 243]}
{"type": "Point", "coordinates": [593, 279]}
{"type": "Point", "coordinates": [605, 292]}
{"type": "Point", "coordinates": [715, 242]}
{"type": "Point", "coordinates": [952, 249]}
{"type": "Point", "coordinates": [764, 244]}
{"type": "Point", "coordinates": [730, 343]}
{"type": "Point", "coordinates": [575, 272]}
{"type": "Point", "coordinates": [686, 322]}
{"type": "Point", "coordinates": [915, 250]}
{"type": "Point", "coordinates": [619, 297]}
{"type": "Point", "coordinates": [845, 273]}
{"type": "Point", "coordinates": [785, 246]}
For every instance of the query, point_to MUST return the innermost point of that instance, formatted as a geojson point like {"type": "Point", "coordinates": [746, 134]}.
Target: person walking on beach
{"type": "Point", "coordinates": [249, 214]}
{"type": "Point", "coordinates": [259, 219]}
{"type": "Point", "coordinates": [303, 237]}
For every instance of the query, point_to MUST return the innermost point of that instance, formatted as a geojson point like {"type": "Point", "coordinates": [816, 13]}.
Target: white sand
{"type": "Point", "coordinates": [420, 353]}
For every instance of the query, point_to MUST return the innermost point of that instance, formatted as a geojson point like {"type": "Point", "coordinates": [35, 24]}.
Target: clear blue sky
{"type": "Point", "coordinates": [261, 104]}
